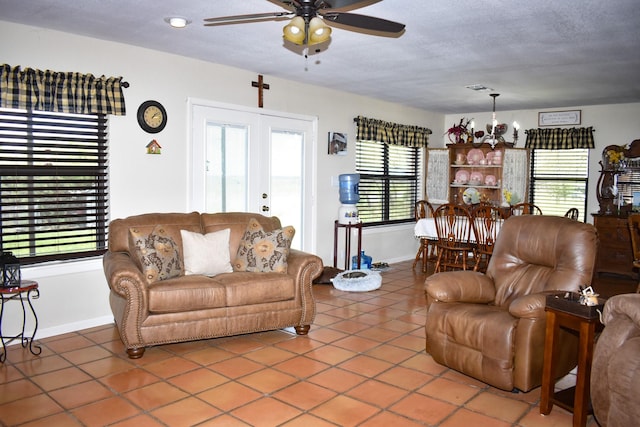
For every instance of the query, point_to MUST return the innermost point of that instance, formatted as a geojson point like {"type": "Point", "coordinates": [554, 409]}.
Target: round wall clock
{"type": "Point", "coordinates": [152, 116]}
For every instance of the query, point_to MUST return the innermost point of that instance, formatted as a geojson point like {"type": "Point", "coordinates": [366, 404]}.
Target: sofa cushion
{"type": "Point", "coordinates": [246, 288]}
{"type": "Point", "coordinates": [119, 240]}
{"type": "Point", "coordinates": [261, 251]}
{"type": "Point", "coordinates": [156, 253]}
{"type": "Point", "coordinates": [206, 254]}
{"type": "Point", "coordinates": [185, 293]}
{"type": "Point", "coordinates": [237, 222]}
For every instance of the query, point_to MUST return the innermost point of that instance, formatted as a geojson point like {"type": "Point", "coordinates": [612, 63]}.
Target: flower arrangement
{"type": "Point", "coordinates": [459, 131]}
{"type": "Point", "coordinates": [510, 197]}
{"type": "Point", "coordinates": [614, 156]}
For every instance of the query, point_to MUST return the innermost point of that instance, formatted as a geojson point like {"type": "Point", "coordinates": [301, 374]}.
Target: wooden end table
{"type": "Point", "coordinates": [565, 311]}
{"type": "Point", "coordinates": [347, 243]}
{"type": "Point", "coordinates": [25, 291]}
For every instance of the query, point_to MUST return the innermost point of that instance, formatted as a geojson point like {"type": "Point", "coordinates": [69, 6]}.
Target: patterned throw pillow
{"type": "Point", "coordinates": [156, 254]}
{"type": "Point", "coordinates": [262, 251]}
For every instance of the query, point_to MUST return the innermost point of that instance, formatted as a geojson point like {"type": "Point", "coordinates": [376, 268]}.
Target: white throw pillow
{"type": "Point", "coordinates": [206, 254]}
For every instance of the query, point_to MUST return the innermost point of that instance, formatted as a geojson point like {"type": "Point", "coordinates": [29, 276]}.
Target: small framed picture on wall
{"type": "Point", "coordinates": [337, 143]}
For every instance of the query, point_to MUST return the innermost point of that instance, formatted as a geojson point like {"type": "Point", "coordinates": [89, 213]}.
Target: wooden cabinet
{"type": "Point", "coordinates": [475, 173]}
{"type": "Point", "coordinates": [615, 255]}
{"type": "Point", "coordinates": [512, 173]}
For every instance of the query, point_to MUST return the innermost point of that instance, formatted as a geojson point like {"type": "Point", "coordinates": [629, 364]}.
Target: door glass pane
{"type": "Point", "coordinates": [286, 180]}
{"type": "Point", "coordinates": [226, 168]}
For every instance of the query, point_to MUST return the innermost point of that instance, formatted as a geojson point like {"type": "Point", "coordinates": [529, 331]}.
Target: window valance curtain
{"type": "Point", "coordinates": [391, 133]}
{"type": "Point", "coordinates": [560, 138]}
{"type": "Point", "coordinates": [62, 92]}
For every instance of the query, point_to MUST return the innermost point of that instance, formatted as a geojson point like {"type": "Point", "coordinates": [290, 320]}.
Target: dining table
{"type": "Point", "coordinates": [425, 228]}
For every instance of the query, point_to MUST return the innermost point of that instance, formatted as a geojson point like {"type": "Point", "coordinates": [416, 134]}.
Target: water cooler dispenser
{"type": "Point", "coordinates": [349, 197]}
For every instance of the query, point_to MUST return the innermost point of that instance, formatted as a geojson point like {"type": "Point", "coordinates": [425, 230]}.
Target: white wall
{"type": "Point", "coordinates": [616, 124]}
{"type": "Point", "coordinates": [71, 295]}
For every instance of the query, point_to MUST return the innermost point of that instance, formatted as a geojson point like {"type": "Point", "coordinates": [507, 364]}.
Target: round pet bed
{"type": "Point", "coordinates": [357, 281]}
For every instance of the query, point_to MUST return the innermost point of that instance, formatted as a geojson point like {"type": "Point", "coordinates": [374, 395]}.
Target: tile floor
{"type": "Point", "coordinates": [362, 364]}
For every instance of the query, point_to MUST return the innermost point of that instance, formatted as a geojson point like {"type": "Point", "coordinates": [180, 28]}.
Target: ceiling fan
{"type": "Point", "coordinates": [306, 28]}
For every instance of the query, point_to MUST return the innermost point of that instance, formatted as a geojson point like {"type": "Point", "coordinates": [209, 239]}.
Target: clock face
{"type": "Point", "coordinates": [152, 116]}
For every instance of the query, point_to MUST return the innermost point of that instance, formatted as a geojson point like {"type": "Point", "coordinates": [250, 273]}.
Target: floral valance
{"type": "Point", "coordinates": [391, 133]}
{"type": "Point", "coordinates": [560, 138]}
{"type": "Point", "coordinates": [63, 92]}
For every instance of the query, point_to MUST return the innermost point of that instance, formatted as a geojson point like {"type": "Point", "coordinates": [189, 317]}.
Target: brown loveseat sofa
{"type": "Point", "coordinates": [195, 306]}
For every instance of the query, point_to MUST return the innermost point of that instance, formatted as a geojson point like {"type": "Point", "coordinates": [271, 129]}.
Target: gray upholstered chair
{"type": "Point", "coordinates": [615, 372]}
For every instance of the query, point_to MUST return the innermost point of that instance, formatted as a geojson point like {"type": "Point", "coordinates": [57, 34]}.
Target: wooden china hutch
{"type": "Point", "coordinates": [468, 174]}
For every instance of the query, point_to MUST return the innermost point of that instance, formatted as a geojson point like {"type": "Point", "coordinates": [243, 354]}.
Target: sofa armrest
{"type": "Point", "coordinates": [128, 297]}
{"type": "Point", "coordinates": [460, 286]}
{"type": "Point", "coordinates": [122, 273]}
{"type": "Point", "coordinates": [304, 267]}
{"type": "Point", "coordinates": [625, 306]}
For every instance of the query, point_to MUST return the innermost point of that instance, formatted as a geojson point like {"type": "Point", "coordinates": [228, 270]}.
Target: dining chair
{"type": "Point", "coordinates": [525, 209]}
{"type": "Point", "coordinates": [634, 230]}
{"type": "Point", "coordinates": [486, 221]}
{"type": "Point", "coordinates": [453, 227]}
{"type": "Point", "coordinates": [572, 213]}
{"type": "Point", "coordinates": [427, 250]}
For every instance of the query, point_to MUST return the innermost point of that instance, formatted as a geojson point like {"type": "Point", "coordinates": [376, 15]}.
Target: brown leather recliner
{"type": "Point", "coordinates": [491, 326]}
{"type": "Point", "coordinates": [615, 372]}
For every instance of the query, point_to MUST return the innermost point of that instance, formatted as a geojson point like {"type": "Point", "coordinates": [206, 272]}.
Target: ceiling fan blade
{"type": "Point", "coordinates": [364, 22]}
{"type": "Point", "coordinates": [338, 5]}
{"type": "Point", "coordinates": [243, 18]}
{"type": "Point", "coordinates": [343, 4]}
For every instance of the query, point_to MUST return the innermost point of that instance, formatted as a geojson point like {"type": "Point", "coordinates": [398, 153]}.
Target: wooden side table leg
{"type": "Point", "coordinates": [335, 244]}
{"type": "Point", "coordinates": [3, 352]}
{"type": "Point", "coordinates": [548, 375]}
{"type": "Point", "coordinates": [359, 230]}
{"type": "Point", "coordinates": [347, 248]}
{"type": "Point", "coordinates": [583, 377]}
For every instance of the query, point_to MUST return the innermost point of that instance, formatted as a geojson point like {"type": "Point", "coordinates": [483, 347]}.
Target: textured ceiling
{"type": "Point", "coordinates": [536, 53]}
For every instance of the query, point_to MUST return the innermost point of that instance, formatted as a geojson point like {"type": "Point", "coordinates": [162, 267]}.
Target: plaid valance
{"type": "Point", "coordinates": [391, 133]}
{"type": "Point", "coordinates": [560, 138]}
{"type": "Point", "coordinates": [63, 92]}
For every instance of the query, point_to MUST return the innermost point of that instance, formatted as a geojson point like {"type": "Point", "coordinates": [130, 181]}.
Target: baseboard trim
{"type": "Point", "coordinates": [72, 327]}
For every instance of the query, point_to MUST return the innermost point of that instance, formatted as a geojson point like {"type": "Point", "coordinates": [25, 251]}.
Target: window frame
{"type": "Point", "coordinates": [54, 185]}
{"type": "Point", "coordinates": [561, 177]}
{"type": "Point", "coordinates": [378, 171]}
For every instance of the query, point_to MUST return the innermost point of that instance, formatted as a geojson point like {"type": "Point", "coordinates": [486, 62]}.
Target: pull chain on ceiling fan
{"type": "Point", "coordinates": [306, 28]}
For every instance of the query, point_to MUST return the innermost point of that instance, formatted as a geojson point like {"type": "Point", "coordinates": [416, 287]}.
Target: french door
{"type": "Point", "coordinates": [248, 160]}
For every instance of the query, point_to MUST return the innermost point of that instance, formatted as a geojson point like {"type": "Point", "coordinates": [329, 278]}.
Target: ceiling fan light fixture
{"type": "Point", "coordinates": [318, 31]}
{"type": "Point", "coordinates": [294, 30]}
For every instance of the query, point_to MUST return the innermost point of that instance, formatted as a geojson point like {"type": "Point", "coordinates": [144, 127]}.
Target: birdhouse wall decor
{"type": "Point", "coordinates": [153, 147]}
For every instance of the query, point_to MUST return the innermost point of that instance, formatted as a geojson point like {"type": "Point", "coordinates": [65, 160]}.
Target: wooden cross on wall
{"type": "Point", "coordinates": [260, 84]}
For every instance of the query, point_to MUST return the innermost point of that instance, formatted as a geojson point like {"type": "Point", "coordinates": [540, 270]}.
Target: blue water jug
{"type": "Point", "coordinates": [365, 261]}
{"type": "Point", "coordinates": [349, 188]}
